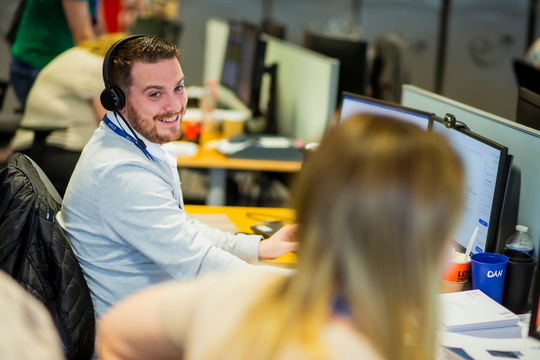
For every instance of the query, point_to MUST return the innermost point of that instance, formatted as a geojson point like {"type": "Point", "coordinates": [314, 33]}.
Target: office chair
{"type": "Point", "coordinates": [35, 251]}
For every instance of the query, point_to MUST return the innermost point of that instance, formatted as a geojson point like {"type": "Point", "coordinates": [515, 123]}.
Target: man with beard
{"type": "Point", "coordinates": [123, 210]}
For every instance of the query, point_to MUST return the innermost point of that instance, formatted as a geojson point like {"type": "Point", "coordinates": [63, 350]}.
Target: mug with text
{"type": "Point", "coordinates": [488, 273]}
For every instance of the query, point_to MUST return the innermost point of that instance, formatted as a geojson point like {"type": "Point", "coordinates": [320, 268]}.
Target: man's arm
{"type": "Point", "coordinates": [79, 20]}
{"type": "Point", "coordinates": [243, 245]}
{"type": "Point", "coordinates": [279, 244]}
{"type": "Point", "coordinates": [124, 336]}
{"type": "Point", "coordinates": [139, 211]}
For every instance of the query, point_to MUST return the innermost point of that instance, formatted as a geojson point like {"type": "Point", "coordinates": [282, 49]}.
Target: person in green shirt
{"type": "Point", "coordinates": [47, 28]}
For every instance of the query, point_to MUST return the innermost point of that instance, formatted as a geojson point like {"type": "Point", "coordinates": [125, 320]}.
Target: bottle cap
{"type": "Point", "coordinates": [521, 228]}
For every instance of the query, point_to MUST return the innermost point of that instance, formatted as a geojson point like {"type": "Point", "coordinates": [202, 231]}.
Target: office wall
{"type": "Point", "coordinates": [494, 28]}
{"type": "Point", "coordinates": [484, 36]}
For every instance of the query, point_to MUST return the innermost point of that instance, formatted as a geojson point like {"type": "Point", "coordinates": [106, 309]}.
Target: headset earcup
{"type": "Point", "coordinates": [112, 98]}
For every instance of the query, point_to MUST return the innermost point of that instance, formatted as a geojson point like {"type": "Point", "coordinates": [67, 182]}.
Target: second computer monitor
{"type": "Point", "coordinates": [352, 56]}
{"type": "Point", "coordinates": [486, 172]}
{"type": "Point", "coordinates": [244, 63]}
{"type": "Point", "coordinates": [528, 108]}
{"type": "Point", "coordinates": [353, 104]}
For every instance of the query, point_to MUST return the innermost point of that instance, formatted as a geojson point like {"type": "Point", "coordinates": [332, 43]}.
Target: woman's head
{"type": "Point", "coordinates": [376, 204]}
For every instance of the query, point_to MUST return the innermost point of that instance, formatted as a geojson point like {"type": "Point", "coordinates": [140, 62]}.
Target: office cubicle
{"type": "Point", "coordinates": [306, 89]}
{"type": "Point", "coordinates": [306, 81]}
{"type": "Point", "coordinates": [522, 205]}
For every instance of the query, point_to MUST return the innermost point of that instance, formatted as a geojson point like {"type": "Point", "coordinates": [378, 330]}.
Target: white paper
{"type": "Point", "coordinates": [479, 348]}
{"type": "Point", "coordinates": [471, 310]}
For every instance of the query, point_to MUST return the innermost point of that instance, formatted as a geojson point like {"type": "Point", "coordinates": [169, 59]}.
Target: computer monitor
{"type": "Point", "coordinates": [305, 88]}
{"type": "Point", "coordinates": [486, 171]}
{"type": "Point", "coordinates": [244, 63]}
{"type": "Point", "coordinates": [351, 54]}
{"type": "Point", "coordinates": [528, 108]}
{"type": "Point", "coordinates": [353, 103]}
{"type": "Point", "coordinates": [526, 75]}
{"type": "Point", "coordinates": [274, 29]}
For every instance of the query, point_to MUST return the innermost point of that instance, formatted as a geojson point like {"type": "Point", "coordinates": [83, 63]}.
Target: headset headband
{"type": "Point", "coordinates": [109, 55]}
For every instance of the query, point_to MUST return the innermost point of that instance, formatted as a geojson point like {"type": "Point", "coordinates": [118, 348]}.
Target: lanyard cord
{"type": "Point", "coordinates": [122, 133]}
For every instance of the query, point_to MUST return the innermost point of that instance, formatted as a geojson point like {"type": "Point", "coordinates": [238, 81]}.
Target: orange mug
{"type": "Point", "coordinates": [457, 271]}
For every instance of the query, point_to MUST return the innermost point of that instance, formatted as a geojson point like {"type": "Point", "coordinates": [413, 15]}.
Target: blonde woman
{"type": "Point", "coordinates": [376, 204]}
{"type": "Point", "coordinates": [65, 96]}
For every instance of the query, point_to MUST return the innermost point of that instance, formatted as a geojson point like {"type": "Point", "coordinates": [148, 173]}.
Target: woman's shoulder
{"type": "Point", "coordinates": [346, 342]}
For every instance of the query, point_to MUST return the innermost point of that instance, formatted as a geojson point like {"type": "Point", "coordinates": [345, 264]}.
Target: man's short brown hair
{"type": "Point", "coordinates": [147, 49]}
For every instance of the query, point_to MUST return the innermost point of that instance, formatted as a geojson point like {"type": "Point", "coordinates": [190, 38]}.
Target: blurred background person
{"type": "Point", "coordinates": [532, 56]}
{"type": "Point", "coordinates": [66, 96]}
{"type": "Point", "coordinates": [376, 204]}
{"type": "Point", "coordinates": [26, 329]}
{"type": "Point", "coordinates": [46, 29]}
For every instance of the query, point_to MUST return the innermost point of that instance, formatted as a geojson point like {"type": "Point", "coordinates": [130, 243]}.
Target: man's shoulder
{"type": "Point", "coordinates": [107, 148]}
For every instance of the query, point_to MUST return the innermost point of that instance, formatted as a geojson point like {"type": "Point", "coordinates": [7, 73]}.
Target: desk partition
{"type": "Point", "coordinates": [522, 205]}
{"type": "Point", "coordinates": [306, 89]}
{"type": "Point", "coordinates": [215, 46]}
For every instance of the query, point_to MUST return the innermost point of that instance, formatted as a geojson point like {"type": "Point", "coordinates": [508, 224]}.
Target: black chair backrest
{"type": "Point", "coordinates": [35, 251]}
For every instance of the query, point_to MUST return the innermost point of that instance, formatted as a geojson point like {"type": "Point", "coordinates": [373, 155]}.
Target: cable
{"type": "Point", "coordinates": [141, 143]}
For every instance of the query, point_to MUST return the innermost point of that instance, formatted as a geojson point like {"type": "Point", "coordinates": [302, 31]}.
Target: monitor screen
{"type": "Point", "coordinates": [244, 63]}
{"type": "Point", "coordinates": [486, 174]}
{"type": "Point", "coordinates": [528, 108]}
{"type": "Point", "coordinates": [353, 104]}
{"type": "Point", "coordinates": [352, 59]}
{"type": "Point", "coordinates": [233, 56]}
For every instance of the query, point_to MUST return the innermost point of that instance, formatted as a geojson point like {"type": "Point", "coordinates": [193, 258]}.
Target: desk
{"type": "Point", "coordinates": [219, 163]}
{"type": "Point", "coordinates": [238, 215]}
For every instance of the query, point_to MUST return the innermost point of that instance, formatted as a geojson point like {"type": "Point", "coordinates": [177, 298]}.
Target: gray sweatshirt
{"type": "Point", "coordinates": [123, 214]}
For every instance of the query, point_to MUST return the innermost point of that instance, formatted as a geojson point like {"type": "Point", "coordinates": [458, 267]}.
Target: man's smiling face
{"type": "Point", "coordinates": [156, 100]}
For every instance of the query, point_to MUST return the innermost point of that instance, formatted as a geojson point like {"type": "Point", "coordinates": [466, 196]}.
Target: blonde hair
{"type": "Point", "coordinates": [375, 204]}
{"type": "Point", "coordinates": [101, 45]}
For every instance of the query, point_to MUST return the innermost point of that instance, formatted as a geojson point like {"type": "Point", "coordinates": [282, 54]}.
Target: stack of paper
{"type": "Point", "coordinates": [474, 313]}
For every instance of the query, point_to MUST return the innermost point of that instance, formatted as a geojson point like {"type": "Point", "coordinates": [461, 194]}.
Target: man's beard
{"type": "Point", "coordinates": [147, 128]}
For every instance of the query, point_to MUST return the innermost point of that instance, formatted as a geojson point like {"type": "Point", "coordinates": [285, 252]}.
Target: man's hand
{"type": "Point", "coordinates": [279, 244]}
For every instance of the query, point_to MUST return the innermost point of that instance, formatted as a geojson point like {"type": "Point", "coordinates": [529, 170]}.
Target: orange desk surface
{"type": "Point", "coordinates": [210, 158]}
{"type": "Point", "coordinates": [239, 216]}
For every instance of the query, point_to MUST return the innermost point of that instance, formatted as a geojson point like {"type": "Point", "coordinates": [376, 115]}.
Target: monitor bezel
{"type": "Point", "coordinates": [535, 304]}
{"type": "Point", "coordinates": [500, 185]}
{"type": "Point", "coordinates": [383, 103]}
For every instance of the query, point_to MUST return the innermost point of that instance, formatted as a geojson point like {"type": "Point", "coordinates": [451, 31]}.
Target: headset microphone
{"type": "Point", "coordinates": [112, 97]}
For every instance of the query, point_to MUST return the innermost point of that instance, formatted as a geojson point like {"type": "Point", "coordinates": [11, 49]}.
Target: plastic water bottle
{"type": "Point", "coordinates": [520, 241]}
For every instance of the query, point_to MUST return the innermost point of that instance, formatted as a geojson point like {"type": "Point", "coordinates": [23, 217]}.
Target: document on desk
{"type": "Point", "coordinates": [477, 348]}
{"type": "Point", "coordinates": [217, 221]}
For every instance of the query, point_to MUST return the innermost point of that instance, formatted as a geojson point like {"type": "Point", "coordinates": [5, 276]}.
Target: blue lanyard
{"type": "Point", "coordinates": [122, 133]}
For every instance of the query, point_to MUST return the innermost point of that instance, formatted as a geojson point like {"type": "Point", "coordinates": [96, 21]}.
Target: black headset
{"type": "Point", "coordinates": [112, 98]}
